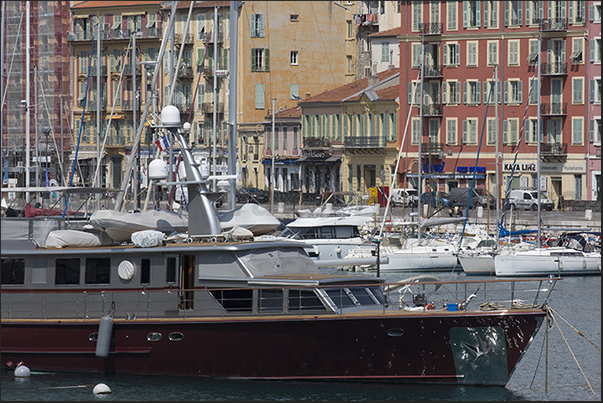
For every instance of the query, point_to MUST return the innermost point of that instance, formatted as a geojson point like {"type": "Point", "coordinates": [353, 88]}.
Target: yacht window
{"type": "Point", "coordinates": [271, 300]}
{"type": "Point", "coordinates": [345, 232]}
{"type": "Point", "coordinates": [363, 295]}
{"type": "Point", "coordinates": [67, 271]}
{"type": "Point", "coordinates": [234, 300]}
{"type": "Point", "coordinates": [325, 232]}
{"type": "Point", "coordinates": [304, 300]}
{"type": "Point", "coordinates": [341, 297]}
{"type": "Point", "coordinates": [13, 271]}
{"type": "Point", "coordinates": [170, 270]}
{"type": "Point", "coordinates": [145, 271]}
{"type": "Point", "coordinates": [98, 271]}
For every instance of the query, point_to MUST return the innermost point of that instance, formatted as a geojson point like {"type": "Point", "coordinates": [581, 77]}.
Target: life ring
{"type": "Point", "coordinates": [429, 306]}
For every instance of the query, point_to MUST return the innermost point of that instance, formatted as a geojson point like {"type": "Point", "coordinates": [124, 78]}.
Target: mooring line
{"type": "Point", "coordinates": [570, 349]}
{"type": "Point", "coordinates": [577, 331]}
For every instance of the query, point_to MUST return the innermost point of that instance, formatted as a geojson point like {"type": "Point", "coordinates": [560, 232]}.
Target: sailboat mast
{"type": "Point", "coordinates": [232, 101]}
{"type": "Point", "coordinates": [498, 198]}
{"type": "Point", "coordinates": [539, 140]}
{"type": "Point", "coordinates": [420, 162]}
{"type": "Point", "coordinates": [27, 90]}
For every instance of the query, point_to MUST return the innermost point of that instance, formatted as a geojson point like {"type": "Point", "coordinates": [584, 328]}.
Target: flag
{"type": "Point", "coordinates": [162, 143]}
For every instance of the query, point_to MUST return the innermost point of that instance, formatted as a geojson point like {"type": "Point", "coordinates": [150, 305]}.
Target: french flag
{"type": "Point", "coordinates": [163, 143]}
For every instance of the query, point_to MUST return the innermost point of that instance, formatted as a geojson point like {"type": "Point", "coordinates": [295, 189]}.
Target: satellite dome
{"type": "Point", "coordinates": [170, 116]}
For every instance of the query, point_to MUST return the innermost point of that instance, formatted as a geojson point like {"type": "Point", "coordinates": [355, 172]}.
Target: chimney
{"type": "Point", "coordinates": [372, 80]}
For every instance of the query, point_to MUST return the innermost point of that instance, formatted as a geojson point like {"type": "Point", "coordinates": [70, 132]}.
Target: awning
{"type": "Point", "coordinates": [84, 155]}
{"type": "Point", "coordinates": [302, 158]}
{"type": "Point", "coordinates": [333, 159]}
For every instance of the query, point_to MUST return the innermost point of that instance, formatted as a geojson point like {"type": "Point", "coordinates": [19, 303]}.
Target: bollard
{"type": "Point", "coordinates": [480, 211]}
{"type": "Point", "coordinates": [280, 207]}
{"type": "Point", "coordinates": [588, 214]}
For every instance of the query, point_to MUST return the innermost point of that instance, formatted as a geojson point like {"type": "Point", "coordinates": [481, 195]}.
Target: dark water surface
{"type": "Point", "coordinates": [576, 300]}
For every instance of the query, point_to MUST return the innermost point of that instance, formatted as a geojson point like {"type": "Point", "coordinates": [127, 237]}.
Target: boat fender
{"type": "Point", "coordinates": [189, 240]}
{"type": "Point", "coordinates": [429, 306]}
{"type": "Point", "coordinates": [105, 328]}
{"type": "Point", "coordinates": [213, 239]}
{"type": "Point", "coordinates": [101, 389]}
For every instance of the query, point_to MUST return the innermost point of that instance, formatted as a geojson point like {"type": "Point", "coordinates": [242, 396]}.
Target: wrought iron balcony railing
{"type": "Point", "coordinates": [208, 107]}
{"type": "Point", "coordinates": [432, 71]}
{"type": "Point", "coordinates": [317, 142]}
{"type": "Point", "coordinates": [553, 149]}
{"type": "Point", "coordinates": [553, 24]}
{"type": "Point", "coordinates": [554, 69]}
{"type": "Point", "coordinates": [432, 148]}
{"type": "Point", "coordinates": [556, 108]}
{"type": "Point", "coordinates": [433, 110]}
{"type": "Point", "coordinates": [431, 28]}
{"type": "Point", "coordinates": [364, 142]}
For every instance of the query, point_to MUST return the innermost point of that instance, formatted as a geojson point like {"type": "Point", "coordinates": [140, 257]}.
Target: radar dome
{"type": "Point", "coordinates": [158, 169]}
{"type": "Point", "coordinates": [170, 116]}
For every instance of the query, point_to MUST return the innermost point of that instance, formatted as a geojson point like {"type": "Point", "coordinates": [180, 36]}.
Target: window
{"type": "Point", "coordinates": [578, 187]}
{"type": "Point", "coordinates": [534, 91]}
{"type": "Point", "coordinates": [595, 50]}
{"type": "Point", "coordinates": [533, 56]}
{"type": "Point", "coordinates": [67, 271]}
{"type": "Point", "coordinates": [13, 271]}
{"type": "Point", "coordinates": [452, 92]}
{"type": "Point", "coordinates": [414, 88]}
{"type": "Point", "coordinates": [492, 53]}
{"type": "Point", "coordinates": [293, 17]}
{"type": "Point", "coordinates": [257, 26]}
{"type": "Point", "coordinates": [491, 130]}
{"type": "Point", "coordinates": [595, 90]}
{"type": "Point", "coordinates": [472, 92]}
{"type": "Point", "coordinates": [350, 30]}
{"type": "Point", "coordinates": [201, 34]}
{"type": "Point", "coordinates": [259, 96]}
{"type": "Point", "coordinates": [451, 15]}
{"type": "Point", "coordinates": [452, 54]}
{"type": "Point", "coordinates": [531, 129]}
{"type": "Point", "coordinates": [594, 12]}
{"type": "Point", "coordinates": [577, 50]}
{"type": "Point", "coordinates": [415, 131]}
{"type": "Point", "coordinates": [510, 131]}
{"type": "Point", "coordinates": [578, 90]}
{"type": "Point", "coordinates": [451, 131]}
{"type": "Point", "coordinates": [260, 59]}
{"type": "Point", "coordinates": [145, 271]}
{"type": "Point", "coordinates": [489, 92]}
{"type": "Point", "coordinates": [513, 53]}
{"type": "Point", "coordinates": [534, 12]}
{"type": "Point", "coordinates": [98, 271]}
{"type": "Point", "coordinates": [416, 55]}
{"type": "Point", "coordinates": [417, 15]}
{"type": "Point", "coordinates": [577, 130]}
{"type": "Point", "coordinates": [595, 130]}
{"type": "Point", "coordinates": [471, 14]}
{"type": "Point", "coordinates": [294, 55]}
{"type": "Point", "coordinates": [350, 61]}
{"type": "Point", "coordinates": [470, 131]}
{"type": "Point", "coordinates": [472, 54]}
{"type": "Point", "coordinates": [515, 92]}
{"type": "Point", "coordinates": [514, 13]}
{"type": "Point", "coordinates": [385, 52]}
{"type": "Point", "coordinates": [294, 91]}
{"type": "Point", "coordinates": [491, 14]}
{"type": "Point", "coordinates": [577, 12]}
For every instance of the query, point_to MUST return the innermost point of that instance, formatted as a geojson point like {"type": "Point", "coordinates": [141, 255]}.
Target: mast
{"type": "Point", "coordinates": [98, 108]}
{"type": "Point", "coordinates": [215, 115]}
{"type": "Point", "coordinates": [498, 198]}
{"type": "Point", "coordinates": [27, 90]}
{"type": "Point", "coordinates": [420, 186]}
{"type": "Point", "coordinates": [232, 101]}
{"type": "Point", "coordinates": [538, 142]}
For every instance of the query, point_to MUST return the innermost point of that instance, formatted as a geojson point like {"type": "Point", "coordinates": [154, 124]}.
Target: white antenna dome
{"type": "Point", "coordinates": [170, 116]}
{"type": "Point", "coordinates": [158, 169]}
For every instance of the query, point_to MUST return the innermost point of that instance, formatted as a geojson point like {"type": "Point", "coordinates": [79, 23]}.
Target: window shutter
{"type": "Point", "coordinates": [465, 7]}
{"type": "Point", "coordinates": [507, 5]}
{"type": "Point", "coordinates": [549, 122]}
{"type": "Point", "coordinates": [465, 92]}
{"type": "Point", "coordinates": [593, 49]}
{"type": "Point", "coordinates": [520, 91]}
{"type": "Point", "coordinates": [252, 26]}
{"type": "Point", "coordinates": [506, 92]}
{"type": "Point", "coordinates": [520, 12]}
{"type": "Point", "coordinates": [445, 55]}
{"type": "Point", "coordinates": [528, 10]}
{"type": "Point", "coordinates": [464, 132]}
{"type": "Point", "coordinates": [570, 12]}
{"type": "Point", "coordinates": [478, 91]}
{"type": "Point", "coordinates": [267, 59]}
{"type": "Point", "coordinates": [563, 14]}
{"type": "Point", "coordinates": [541, 131]}
{"type": "Point", "coordinates": [445, 93]}
{"type": "Point", "coordinates": [592, 90]}
{"type": "Point", "coordinates": [504, 133]}
{"type": "Point", "coordinates": [261, 25]}
{"type": "Point", "coordinates": [486, 14]}
{"type": "Point", "coordinates": [499, 92]}
{"type": "Point", "coordinates": [478, 12]}
{"type": "Point", "coordinates": [550, 14]}
{"type": "Point", "coordinates": [592, 130]}
{"type": "Point", "coordinates": [253, 60]}
{"type": "Point", "coordinates": [486, 88]}
{"type": "Point", "coordinates": [409, 93]}
{"type": "Point", "coordinates": [591, 12]}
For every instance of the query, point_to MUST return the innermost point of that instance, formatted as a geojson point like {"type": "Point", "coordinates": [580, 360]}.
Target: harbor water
{"type": "Point", "coordinates": [566, 365]}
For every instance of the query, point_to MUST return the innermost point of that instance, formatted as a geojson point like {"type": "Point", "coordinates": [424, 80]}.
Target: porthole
{"type": "Point", "coordinates": [176, 336]}
{"type": "Point", "coordinates": [93, 336]}
{"type": "Point", "coordinates": [154, 336]}
{"type": "Point", "coordinates": [395, 332]}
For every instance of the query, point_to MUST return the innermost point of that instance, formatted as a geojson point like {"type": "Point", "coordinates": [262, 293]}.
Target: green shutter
{"type": "Point", "coordinates": [267, 59]}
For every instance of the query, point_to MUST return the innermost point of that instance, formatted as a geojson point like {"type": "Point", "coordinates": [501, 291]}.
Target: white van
{"type": "Point", "coordinates": [404, 197]}
{"type": "Point", "coordinates": [527, 199]}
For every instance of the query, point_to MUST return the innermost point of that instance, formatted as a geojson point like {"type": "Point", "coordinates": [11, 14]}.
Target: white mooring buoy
{"type": "Point", "coordinates": [22, 371]}
{"type": "Point", "coordinates": [101, 389]}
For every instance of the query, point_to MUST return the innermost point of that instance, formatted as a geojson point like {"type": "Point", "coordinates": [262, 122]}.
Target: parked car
{"type": "Point", "coordinates": [251, 195]}
{"type": "Point", "coordinates": [437, 200]}
{"type": "Point", "coordinates": [527, 199]}
{"type": "Point", "coordinates": [479, 197]}
{"type": "Point", "coordinates": [406, 197]}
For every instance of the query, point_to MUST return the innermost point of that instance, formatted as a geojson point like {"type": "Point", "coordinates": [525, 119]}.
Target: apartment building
{"type": "Point", "coordinates": [453, 51]}
{"type": "Point", "coordinates": [593, 156]}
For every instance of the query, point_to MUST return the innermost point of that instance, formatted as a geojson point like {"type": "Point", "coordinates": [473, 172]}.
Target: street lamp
{"type": "Point", "coordinates": [272, 168]}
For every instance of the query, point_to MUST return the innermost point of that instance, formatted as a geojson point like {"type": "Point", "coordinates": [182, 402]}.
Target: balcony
{"type": "Point", "coordinates": [431, 28]}
{"type": "Point", "coordinates": [208, 107]}
{"type": "Point", "coordinates": [93, 70]}
{"type": "Point", "coordinates": [553, 109]}
{"type": "Point", "coordinates": [433, 110]}
{"type": "Point", "coordinates": [553, 150]}
{"type": "Point", "coordinates": [316, 143]}
{"type": "Point", "coordinates": [364, 142]}
{"type": "Point", "coordinates": [127, 105]}
{"type": "Point", "coordinates": [553, 24]}
{"type": "Point", "coordinates": [432, 149]}
{"type": "Point", "coordinates": [183, 106]}
{"type": "Point", "coordinates": [368, 19]}
{"type": "Point", "coordinates": [185, 72]}
{"type": "Point", "coordinates": [128, 69]}
{"type": "Point", "coordinates": [188, 38]}
{"type": "Point", "coordinates": [432, 72]}
{"type": "Point", "coordinates": [554, 69]}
